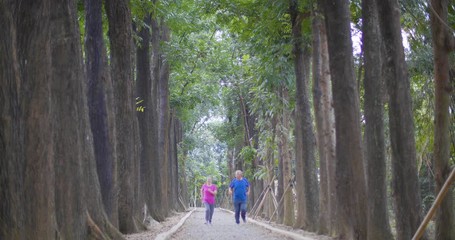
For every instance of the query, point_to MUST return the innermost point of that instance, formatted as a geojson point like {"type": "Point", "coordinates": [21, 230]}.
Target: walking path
{"type": "Point", "coordinates": [191, 225]}
{"type": "Point", "coordinates": [223, 227]}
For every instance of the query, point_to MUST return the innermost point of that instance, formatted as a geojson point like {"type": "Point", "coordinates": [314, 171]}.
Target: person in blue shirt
{"type": "Point", "coordinates": [240, 188]}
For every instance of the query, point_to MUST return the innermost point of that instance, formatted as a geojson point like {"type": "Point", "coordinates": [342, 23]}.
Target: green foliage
{"type": "Point", "coordinates": [248, 154]}
{"type": "Point", "coordinates": [139, 107]}
{"type": "Point", "coordinates": [204, 158]}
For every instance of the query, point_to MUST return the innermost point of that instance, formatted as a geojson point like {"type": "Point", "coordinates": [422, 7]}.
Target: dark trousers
{"type": "Point", "coordinates": [240, 209]}
{"type": "Point", "coordinates": [209, 209]}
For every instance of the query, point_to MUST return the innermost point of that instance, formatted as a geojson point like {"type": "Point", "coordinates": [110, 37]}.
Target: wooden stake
{"type": "Point", "coordinates": [445, 188]}
{"type": "Point", "coordinates": [260, 204]}
{"type": "Point", "coordinates": [276, 209]}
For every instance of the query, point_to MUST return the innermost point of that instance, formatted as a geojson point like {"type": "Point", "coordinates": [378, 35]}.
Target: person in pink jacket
{"type": "Point", "coordinates": [208, 194]}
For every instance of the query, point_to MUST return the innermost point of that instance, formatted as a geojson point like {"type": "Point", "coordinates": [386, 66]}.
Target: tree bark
{"type": "Point", "coordinates": [78, 203]}
{"type": "Point", "coordinates": [60, 185]}
{"type": "Point", "coordinates": [285, 159]}
{"type": "Point", "coordinates": [319, 119]}
{"type": "Point", "coordinates": [173, 163]}
{"type": "Point", "coordinates": [307, 185]}
{"type": "Point", "coordinates": [164, 120]}
{"type": "Point", "coordinates": [406, 191]}
{"type": "Point", "coordinates": [351, 186]}
{"type": "Point", "coordinates": [329, 131]}
{"type": "Point", "coordinates": [101, 109]}
{"type": "Point", "coordinates": [120, 36]}
{"type": "Point", "coordinates": [441, 37]}
{"type": "Point", "coordinates": [156, 161]}
{"type": "Point", "coordinates": [250, 139]}
{"type": "Point", "coordinates": [269, 206]}
{"type": "Point", "coordinates": [378, 219]}
{"type": "Point", "coordinates": [147, 122]}
{"type": "Point", "coordinates": [27, 204]}
{"type": "Point", "coordinates": [68, 121]}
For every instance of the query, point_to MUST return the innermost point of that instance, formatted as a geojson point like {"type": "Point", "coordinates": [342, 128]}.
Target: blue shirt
{"type": "Point", "coordinates": [240, 188]}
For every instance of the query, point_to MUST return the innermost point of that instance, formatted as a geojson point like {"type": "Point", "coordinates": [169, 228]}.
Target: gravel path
{"type": "Point", "coordinates": [223, 227]}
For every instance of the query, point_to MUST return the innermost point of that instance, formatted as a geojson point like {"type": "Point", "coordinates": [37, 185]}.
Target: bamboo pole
{"type": "Point", "coordinates": [260, 204]}
{"type": "Point", "coordinates": [262, 196]}
{"type": "Point", "coordinates": [445, 188]}
{"type": "Point", "coordinates": [282, 197]}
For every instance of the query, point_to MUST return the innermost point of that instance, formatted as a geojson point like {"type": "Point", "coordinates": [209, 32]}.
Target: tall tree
{"type": "Point", "coordinates": [27, 204]}
{"type": "Point", "coordinates": [60, 183]}
{"type": "Point", "coordinates": [101, 108]}
{"type": "Point", "coordinates": [405, 184]}
{"type": "Point", "coordinates": [156, 161]}
{"type": "Point", "coordinates": [328, 140]}
{"type": "Point", "coordinates": [120, 36]}
{"type": "Point", "coordinates": [164, 115]}
{"type": "Point", "coordinates": [162, 78]}
{"type": "Point", "coordinates": [324, 219]}
{"type": "Point", "coordinates": [323, 112]}
{"type": "Point", "coordinates": [286, 178]}
{"type": "Point", "coordinates": [147, 121]}
{"type": "Point", "coordinates": [350, 177]}
{"type": "Point", "coordinates": [173, 164]}
{"type": "Point", "coordinates": [443, 44]}
{"type": "Point", "coordinates": [307, 184]}
{"type": "Point", "coordinates": [78, 203]}
{"type": "Point", "coordinates": [378, 219]}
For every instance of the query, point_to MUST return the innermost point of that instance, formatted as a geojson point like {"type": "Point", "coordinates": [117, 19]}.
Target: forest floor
{"type": "Point", "coordinates": [223, 227]}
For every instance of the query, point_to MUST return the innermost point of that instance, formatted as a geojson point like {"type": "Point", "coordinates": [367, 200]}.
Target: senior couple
{"type": "Point", "coordinates": [239, 188]}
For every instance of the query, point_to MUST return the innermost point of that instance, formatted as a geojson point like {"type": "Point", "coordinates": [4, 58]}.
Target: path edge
{"type": "Point", "coordinates": [166, 235]}
{"type": "Point", "coordinates": [274, 229]}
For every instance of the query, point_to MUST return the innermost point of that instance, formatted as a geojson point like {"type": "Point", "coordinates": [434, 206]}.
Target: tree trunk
{"type": "Point", "coordinates": [281, 181]}
{"type": "Point", "coordinates": [173, 163]}
{"type": "Point", "coordinates": [68, 121]}
{"type": "Point", "coordinates": [27, 205]}
{"type": "Point", "coordinates": [307, 184]}
{"type": "Point", "coordinates": [101, 109]}
{"type": "Point", "coordinates": [156, 161]}
{"type": "Point", "coordinates": [442, 46]}
{"type": "Point", "coordinates": [378, 219]}
{"type": "Point", "coordinates": [250, 140]}
{"type": "Point", "coordinates": [164, 121]}
{"type": "Point", "coordinates": [120, 35]}
{"type": "Point", "coordinates": [285, 159]}
{"type": "Point", "coordinates": [406, 192]}
{"type": "Point", "coordinates": [351, 186]}
{"type": "Point", "coordinates": [75, 163]}
{"type": "Point", "coordinates": [269, 206]}
{"type": "Point", "coordinates": [329, 132]}
{"type": "Point", "coordinates": [60, 182]}
{"type": "Point", "coordinates": [147, 119]}
{"type": "Point", "coordinates": [324, 217]}
{"type": "Point", "coordinates": [183, 181]}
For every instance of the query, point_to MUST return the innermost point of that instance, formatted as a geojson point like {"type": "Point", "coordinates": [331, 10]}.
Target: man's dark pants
{"type": "Point", "coordinates": [240, 209]}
